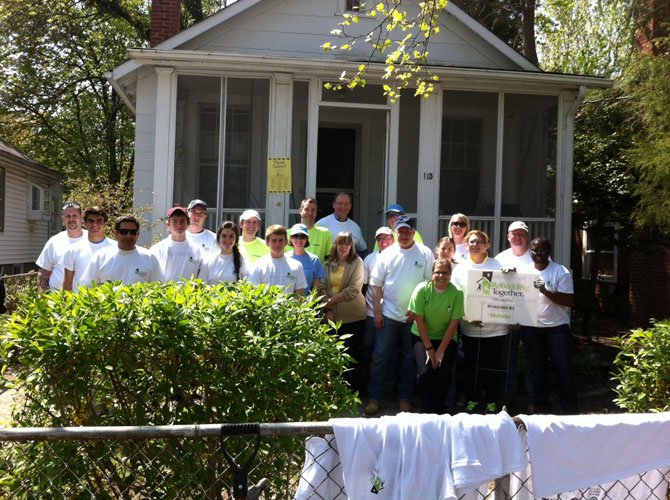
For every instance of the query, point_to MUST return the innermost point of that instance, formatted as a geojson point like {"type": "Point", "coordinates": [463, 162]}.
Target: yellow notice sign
{"type": "Point", "coordinates": [279, 175]}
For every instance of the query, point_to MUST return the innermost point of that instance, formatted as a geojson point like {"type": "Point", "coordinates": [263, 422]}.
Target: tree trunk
{"type": "Point", "coordinates": [528, 30]}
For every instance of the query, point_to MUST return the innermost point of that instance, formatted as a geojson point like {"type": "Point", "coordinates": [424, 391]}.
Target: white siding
{"type": "Point", "coordinates": [145, 128]}
{"type": "Point", "coordinates": [22, 239]}
{"type": "Point", "coordinates": [298, 28]}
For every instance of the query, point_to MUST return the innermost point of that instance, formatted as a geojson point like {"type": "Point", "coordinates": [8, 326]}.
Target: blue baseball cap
{"type": "Point", "coordinates": [395, 209]}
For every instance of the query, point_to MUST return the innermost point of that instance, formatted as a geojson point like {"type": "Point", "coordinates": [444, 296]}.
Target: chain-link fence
{"type": "Point", "coordinates": [16, 285]}
{"type": "Point", "coordinates": [218, 461]}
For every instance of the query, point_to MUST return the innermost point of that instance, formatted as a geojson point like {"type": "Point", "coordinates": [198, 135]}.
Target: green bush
{"type": "Point", "coordinates": [156, 354]}
{"type": "Point", "coordinates": [643, 369]}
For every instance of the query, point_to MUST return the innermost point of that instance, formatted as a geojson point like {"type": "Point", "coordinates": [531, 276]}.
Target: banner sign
{"type": "Point", "coordinates": [497, 297]}
{"type": "Point", "coordinates": [279, 175]}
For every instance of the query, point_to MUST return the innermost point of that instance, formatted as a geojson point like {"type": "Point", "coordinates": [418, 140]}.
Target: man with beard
{"type": "Point", "coordinates": [51, 260]}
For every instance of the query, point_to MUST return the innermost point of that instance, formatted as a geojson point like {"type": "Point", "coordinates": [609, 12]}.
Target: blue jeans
{"type": "Point", "coordinates": [394, 334]}
{"type": "Point", "coordinates": [542, 345]}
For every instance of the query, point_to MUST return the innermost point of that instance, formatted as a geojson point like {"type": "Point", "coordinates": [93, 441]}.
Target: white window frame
{"type": "Point", "coordinates": [586, 263]}
{"type": "Point", "coordinates": [3, 183]}
{"type": "Point", "coordinates": [34, 187]}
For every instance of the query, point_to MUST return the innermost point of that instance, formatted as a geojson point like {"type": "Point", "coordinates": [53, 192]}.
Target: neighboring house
{"type": "Point", "coordinates": [30, 199]}
{"type": "Point", "coordinates": [214, 102]}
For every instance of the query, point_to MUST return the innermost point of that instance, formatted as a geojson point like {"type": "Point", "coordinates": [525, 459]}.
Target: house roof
{"type": "Point", "coordinates": [192, 46]}
{"type": "Point", "coordinates": [11, 152]}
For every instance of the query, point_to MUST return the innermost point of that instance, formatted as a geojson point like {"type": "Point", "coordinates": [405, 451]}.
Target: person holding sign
{"type": "Point", "coordinates": [483, 343]}
{"type": "Point", "coordinates": [552, 338]}
{"type": "Point", "coordinates": [437, 306]}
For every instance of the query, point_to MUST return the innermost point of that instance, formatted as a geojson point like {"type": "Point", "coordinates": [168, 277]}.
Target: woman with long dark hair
{"type": "Point", "coordinates": [229, 264]}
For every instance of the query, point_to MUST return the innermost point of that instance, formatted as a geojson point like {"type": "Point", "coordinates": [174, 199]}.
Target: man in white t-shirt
{"type": "Point", "coordinates": [517, 257]}
{"type": "Point", "coordinates": [339, 221]}
{"type": "Point", "coordinates": [275, 268]}
{"type": "Point", "coordinates": [179, 258]}
{"type": "Point", "coordinates": [384, 238]}
{"type": "Point", "coordinates": [79, 255]}
{"type": "Point", "coordinates": [196, 233]}
{"type": "Point", "coordinates": [551, 339]}
{"type": "Point", "coordinates": [50, 261]}
{"type": "Point", "coordinates": [125, 262]}
{"type": "Point", "coordinates": [397, 272]}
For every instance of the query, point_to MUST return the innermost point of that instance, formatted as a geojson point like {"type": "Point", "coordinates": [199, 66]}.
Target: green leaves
{"type": "Point", "coordinates": [397, 37]}
{"type": "Point", "coordinates": [643, 369]}
{"type": "Point", "coordinates": [153, 354]}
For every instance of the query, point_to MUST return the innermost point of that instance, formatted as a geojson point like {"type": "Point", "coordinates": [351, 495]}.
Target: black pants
{"type": "Point", "coordinates": [485, 368]}
{"type": "Point", "coordinates": [357, 374]}
{"type": "Point", "coordinates": [433, 383]}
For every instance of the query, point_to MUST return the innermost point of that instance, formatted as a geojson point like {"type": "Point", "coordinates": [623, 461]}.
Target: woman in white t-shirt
{"type": "Point", "coordinates": [229, 264]}
{"type": "Point", "coordinates": [459, 226]}
{"type": "Point", "coordinates": [483, 343]}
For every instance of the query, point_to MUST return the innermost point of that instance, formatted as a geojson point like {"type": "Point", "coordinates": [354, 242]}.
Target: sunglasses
{"type": "Point", "coordinates": [71, 204]}
{"type": "Point", "coordinates": [299, 236]}
{"type": "Point", "coordinates": [126, 232]}
{"type": "Point", "coordinates": [539, 251]}
{"type": "Point", "coordinates": [459, 224]}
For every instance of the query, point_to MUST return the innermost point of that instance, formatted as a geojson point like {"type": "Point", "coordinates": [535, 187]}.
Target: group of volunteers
{"type": "Point", "coordinates": [402, 307]}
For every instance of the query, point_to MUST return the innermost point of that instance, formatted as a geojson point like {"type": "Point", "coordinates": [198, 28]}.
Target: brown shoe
{"type": "Point", "coordinates": [405, 405]}
{"type": "Point", "coordinates": [372, 408]}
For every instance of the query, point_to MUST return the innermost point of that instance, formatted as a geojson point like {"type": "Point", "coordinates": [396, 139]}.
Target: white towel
{"type": "Point", "coordinates": [321, 475]}
{"type": "Point", "coordinates": [396, 457]}
{"type": "Point", "coordinates": [574, 452]}
{"type": "Point", "coordinates": [359, 442]}
{"type": "Point", "coordinates": [483, 448]}
{"type": "Point", "coordinates": [651, 484]}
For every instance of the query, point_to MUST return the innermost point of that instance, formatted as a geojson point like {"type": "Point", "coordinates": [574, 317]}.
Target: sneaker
{"type": "Point", "coordinates": [405, 405]}
{"type": "Point", "coordinates": [372, 408]}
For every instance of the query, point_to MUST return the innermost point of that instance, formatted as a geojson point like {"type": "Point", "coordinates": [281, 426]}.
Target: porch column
{"type": "Point", "coordinates": [281, 104]}
{"type": "Point", "coordinates": [428, 185]}
{"type": "Point", "coordinates": [166, 96]}
{"type": "Point", "coordinates": [567, 107]}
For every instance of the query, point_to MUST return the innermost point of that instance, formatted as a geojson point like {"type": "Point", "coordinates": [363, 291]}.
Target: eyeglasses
{"type": "Point", "coordinates": [472, 243]}
{"type": "Point", "coordinates": [126, 232]}
{"type": "Point", "coordinates": [459, 224]}
{"type": "Point", "coordinates": [71, 204]}
{"type": "Point", "coordinates": [299, 236]}
{"type": "Point", "coordinates": [539, 251]}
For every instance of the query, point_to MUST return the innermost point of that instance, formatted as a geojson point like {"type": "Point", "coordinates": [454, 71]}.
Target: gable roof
{"type": "Point", "coordinates": [10, 152]}
{"type": "Point", "coordinates": [186, 39]}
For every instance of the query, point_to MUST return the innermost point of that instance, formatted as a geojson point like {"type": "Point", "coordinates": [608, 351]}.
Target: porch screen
{"type": "Point", "coordinates": [224, 166]}
{"type": "Point", "coordinates": [468, 157]}
{"type": "Point", "coordinates": [529, 156]}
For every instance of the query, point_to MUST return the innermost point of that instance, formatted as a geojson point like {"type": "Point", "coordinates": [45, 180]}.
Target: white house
{"type": "Point", "coordinates": [30, 197]}
{"type": "Point", "coordinates": [215, 102]}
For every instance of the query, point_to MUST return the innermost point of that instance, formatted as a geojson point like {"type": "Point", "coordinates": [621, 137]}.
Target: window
{"type": "Point", "coordinates": [353, 5]}
{"type": "Point", "coordinates": [37, 200]}
{"type": "Point", "coordinates": [607, 260]}
{"type": "Point", "coordinates": [2, 199]}
{"type": "Point", "coordinates": [468, 155]}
